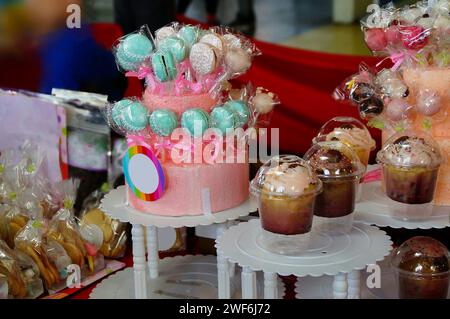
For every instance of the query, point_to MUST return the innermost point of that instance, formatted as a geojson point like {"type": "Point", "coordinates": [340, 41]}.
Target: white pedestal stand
{"type": "Point", "coordinates": [341, 256]}
{"type": "Point", "coordinates": [114, 204]}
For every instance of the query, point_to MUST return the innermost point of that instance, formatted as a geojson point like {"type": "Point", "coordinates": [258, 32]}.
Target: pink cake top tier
{"type": "Point", "coordinates": [179, 104]}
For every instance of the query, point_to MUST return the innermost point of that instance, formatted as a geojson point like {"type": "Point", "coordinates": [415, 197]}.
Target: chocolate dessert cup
{"type": "Point", "coordinates": [422, 269]}
{"type": "Point", "coordinates": [340, 171]}
{"type": "Point", "coordinates": [286, 189]}
{"type": "Point", "coordinates": [410, 166]}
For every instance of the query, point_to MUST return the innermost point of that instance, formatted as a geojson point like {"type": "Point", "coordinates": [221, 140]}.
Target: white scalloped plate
{"type": "Point", "coordinates": [373, 209]}
{"type": "Point", "coordinates": [184, 277]}
{"type": "Point", "coordinates": [364, 245]}
{"type": "Point", "coordinates": [114, 204]}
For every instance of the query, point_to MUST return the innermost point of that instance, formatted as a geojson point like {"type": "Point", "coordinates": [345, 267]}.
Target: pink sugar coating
{"type": "Point", "coordinates": [179, 104]}
{"type": "Point", "coordinates": [228, 185]}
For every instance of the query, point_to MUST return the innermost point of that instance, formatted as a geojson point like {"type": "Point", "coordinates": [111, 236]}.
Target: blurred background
{"type": "Point", "coordinates": [35, 41]}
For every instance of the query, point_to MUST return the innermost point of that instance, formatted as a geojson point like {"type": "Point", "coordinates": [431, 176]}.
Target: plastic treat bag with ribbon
{"type": "Point", "coordinates": [63, 227]}
{"type": "Point", "coordinates": [9, 267]}
{"type": "Point", "coordinates": [114, 233]}
{"type": "Point", "coordinates": [30, 240]}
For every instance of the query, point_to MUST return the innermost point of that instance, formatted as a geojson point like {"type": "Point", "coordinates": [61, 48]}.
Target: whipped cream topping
{"type": "Point", "coordinates": [410, 151]}
{"type": "Point", "coordinates": [288, 179]}
{"type": "Point", "coordinates": [354, 136]}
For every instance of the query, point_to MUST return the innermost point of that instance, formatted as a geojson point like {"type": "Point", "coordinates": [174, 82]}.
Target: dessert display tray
{"type": "Point", "coordinates": [184, 277]}
{"type": "Point", "coordinates": [342, 256]}
{"type": "Point", "coordinates": [374, 209]}
{"type": "Point", "coordinates": [114, 203]}
{"type": "Point", "coordinates": [321, 287]}
{"type": "Point", "coordinates": [327, 255]}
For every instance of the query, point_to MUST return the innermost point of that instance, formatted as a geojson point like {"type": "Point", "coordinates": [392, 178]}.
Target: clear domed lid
{"type": "Point", "coordinates": [348, 130]}
{"type": "Point", "coordinates": [410, 149]}
{"type": "Point", "coordinates": [421, 255]}
{"type": "Point", "coordinates": [334, 159]}
{"type": "Point", "coordinates": [285, 175]}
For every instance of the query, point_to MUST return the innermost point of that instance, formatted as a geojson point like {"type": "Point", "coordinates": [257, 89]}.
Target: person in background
{"type": "Point", "coordinates": [210, 6]}
{"type": "Point", "coordinates": [132, 14]}
{"type": "Point", "coordinates": [70, 57]}
{"type": "Point", "coordinates": [245, 21]}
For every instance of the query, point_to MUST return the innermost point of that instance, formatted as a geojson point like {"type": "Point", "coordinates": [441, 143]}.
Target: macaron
{"type": "Point", "coordinates": [135, 117]}
{"type": "Point", "coordinates": [203, 58]}
{"type": "Point", "coordinates": [195, 121]}
{"type": "Point", "coordinates": [117, 111]}
{"type": "Point", "coordinates": [163, 122]}
{"type": "Point", "coordinates": [164, 67]}
{"type": "Point", "coordinates": [133, 50]}
{"type": "Point", "coordinates": [174, 45]}
{"type": "Point", "coordinates": [241, 110]}
{"type": "Point", "coordinates": [223, 119]}
{"type": "Point", "coordinates": [189, 34]}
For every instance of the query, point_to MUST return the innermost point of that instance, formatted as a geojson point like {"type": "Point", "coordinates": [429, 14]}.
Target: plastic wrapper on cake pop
{"type": "Point", "coordinates": [30, 240]}
{"type": "Point", "coordinates": [7, 162]}
{"type": "Point", "coordinates": [128, 117]}
{"type": "Point", "coordinates": [262, 102]}
{"type": "Point", "coordinates": [133, 51]}
{"type": "Point", "coordinates": [239, 52]}
{"type": "Point", "coordinates": [114, 232]}
{"type": "Point", "coordinates": [21, 274]}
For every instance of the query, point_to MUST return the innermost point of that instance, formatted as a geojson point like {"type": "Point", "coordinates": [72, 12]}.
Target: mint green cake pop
{"type": "Point", "coordinates": [189, 34]}
{"type": "Point", "coordinates": [174, 45]}
{"type": "Point", "coordinates": [241, 110]}
{"type": "Point", "coordinates": [163, 122]}
{"type": "Point", "coordinates": [117, 111]}
{"type": "Point", "coordinates": [133, 50]}
{"type": "Point", "coordinates": [223, 119]}
{"type": "Point", "coordinates": [135, 117]}
{"type": "Point", "coordinates": [196, 121]}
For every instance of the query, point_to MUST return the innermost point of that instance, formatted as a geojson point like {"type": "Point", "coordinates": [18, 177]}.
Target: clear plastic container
{"type": "Point", "coordinates": [286, 189]}
{"type": "Point", "coordinates": [422, 270]}
{"type": "Point", "coordinates": [351, 132]}
{"type": "Point", "coordinates": [340, 170]}
{"type": "Point", "coordinates": [410, 164]}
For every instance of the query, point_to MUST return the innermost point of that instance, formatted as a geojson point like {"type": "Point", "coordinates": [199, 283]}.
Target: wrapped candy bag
{"type": "Point", "coordinates": [10, 269]}
{"type": "Point", "coordinates": [31, 274]}
{"type": "Point", "coordinates": [63, 227]}
{"type": "Point", "coordinates": [30, 240]}
{"type": "Point", "coordinates": [114, 232]}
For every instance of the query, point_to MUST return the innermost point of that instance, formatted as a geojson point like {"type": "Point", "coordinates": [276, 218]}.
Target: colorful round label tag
{"type": "Point", "coordinates": [143, 173]}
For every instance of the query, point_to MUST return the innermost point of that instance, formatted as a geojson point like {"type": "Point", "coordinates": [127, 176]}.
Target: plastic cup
{"type": "Point", "coordinates": [340, 170]}
{"type": "Point", "coordinates": [410, 165]}
{"type": "Point", "coordinates": [421, 267]}
{"type": "Point", "coordinates": [285, 188]}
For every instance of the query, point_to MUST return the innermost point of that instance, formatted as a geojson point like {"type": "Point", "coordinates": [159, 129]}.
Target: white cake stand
{"type": "Point", "coordinates": [374, 209]}
{"type": "Point", "coordinates": [115, 205]}
{"type": "Point", "coordinates": [337, 256]}
{"type": "Point", "coordinates": [185, 277]}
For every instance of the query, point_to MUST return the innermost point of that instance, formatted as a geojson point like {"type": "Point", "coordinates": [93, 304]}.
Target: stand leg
{"type": "Point", "coordinates": [354, 284]}
{"type": "Point", "coordinates": [232, 269]}
{"type": "Point", "coordinates": [248, 278]}
{"type": "Point", "coordinates": [340, 286]}
{"type": "Point", "coordinates": [270, 286]}
{"type": "Point", "coordinates": [152, 251]}
{"type": "Point", "coordinates": [223, 270]}
{"type": "Point", "coordinates": [140, 280]}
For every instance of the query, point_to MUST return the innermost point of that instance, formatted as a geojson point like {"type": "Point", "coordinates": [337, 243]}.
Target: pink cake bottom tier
{"type": "Point", "coordinates": [228, 186]}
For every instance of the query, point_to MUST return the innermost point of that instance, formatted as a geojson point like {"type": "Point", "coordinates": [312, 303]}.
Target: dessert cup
{"type": "Point", "coordinates": [421, 266]}
{"type": "Point", "coordinates": [285, 188]}
{"type": "Point", "coordinates": [410, 165]}
{"type": "Point", "coordinates": [352, 133]}
{"type": "Point", "coordinates": [340, 170]}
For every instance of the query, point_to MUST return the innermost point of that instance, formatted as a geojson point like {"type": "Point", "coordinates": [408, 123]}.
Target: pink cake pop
{"type": "Point", "coordinates": [428, 102]}
{"type": "Point", "coordinates": [376, 39]}
{"type": "Point", "coordinates": [396, 109]}
{"type": "Point", "coordinates": [414, 37]}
